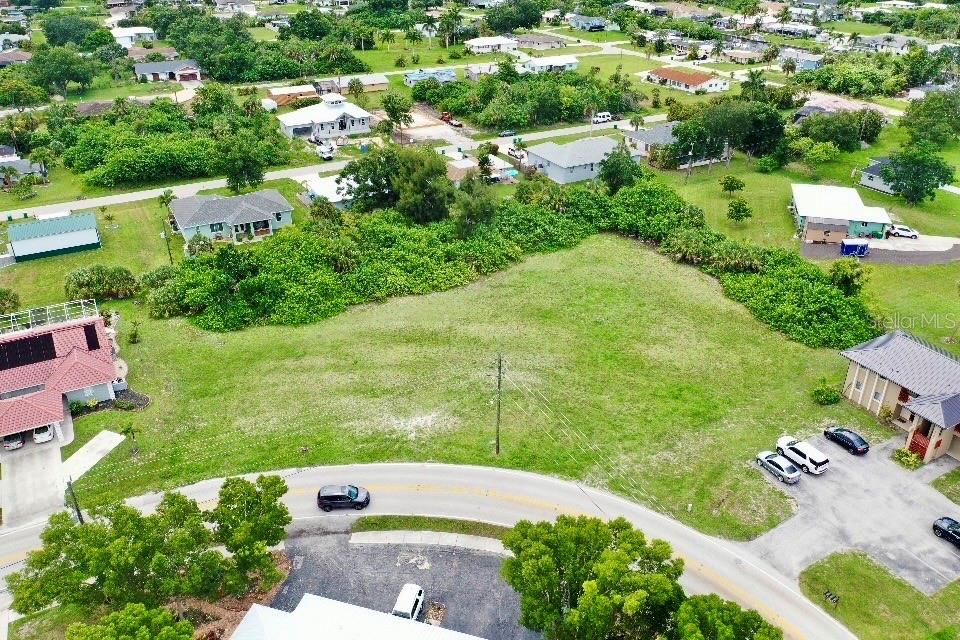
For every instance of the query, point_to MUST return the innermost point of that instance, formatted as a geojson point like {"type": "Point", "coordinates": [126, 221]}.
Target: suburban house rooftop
{"type": "Point", "coordinates": [339, 621]}
{"type": "Point", "coordinates": [835, 203]}
{"type": "Point", "coordinates": [660, 134]}
{"type": "Point", "coordinates": [910, 362]}
{"type": "Point", "coordinates": [576, 153]}
{"type": "Point", "coordinates": [330, 107]}
{"type": "Point", "coordinates": [194, 211]}
{"type": "Point", "coordinates": [919, 367]}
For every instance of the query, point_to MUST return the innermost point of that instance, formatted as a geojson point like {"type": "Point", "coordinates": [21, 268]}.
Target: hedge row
{"type": "Point", "coordinates": [304, 275]}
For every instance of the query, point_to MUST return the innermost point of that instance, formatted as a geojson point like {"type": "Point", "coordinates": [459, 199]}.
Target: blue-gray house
{"type": "Point", "coordinates": [587, 23]}
{"type": "Point", "coordinates": [236, 218]}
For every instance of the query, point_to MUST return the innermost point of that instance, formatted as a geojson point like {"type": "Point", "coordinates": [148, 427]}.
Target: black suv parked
{"type": "Point", "coordinates": [334, 496]}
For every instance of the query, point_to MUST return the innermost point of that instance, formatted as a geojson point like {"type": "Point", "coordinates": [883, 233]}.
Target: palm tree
{"type": "Point", "coordinates": [387, 37]}
{"type": "Point", "coordinates": [8, 174]}
{"type": "Point", "coordinates": [165, 198]}
{"type": "Point", "coordinates": [413, 36]}
{"type": "Point", "coordinates": [129, 431]}
{"type": "Point", "coordinates": [450, 23]}
{"type": "Point", "coordinates": [430, 27]}
{"type": "Point", "coordinates": [44, 157]}
{"type": "Point", "coordinates": [636, 121]}
{"type": "Point", "coordinates": [717, 50]}
{"type": "Point", "coordinates": [854, 38]}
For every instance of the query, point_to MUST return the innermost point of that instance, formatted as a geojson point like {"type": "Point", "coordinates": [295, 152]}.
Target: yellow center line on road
{"type": "Point", "coordinates": [461, 491]}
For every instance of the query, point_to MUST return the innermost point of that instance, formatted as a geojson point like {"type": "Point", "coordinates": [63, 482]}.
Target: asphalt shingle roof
{"type": "Point", "coordinates": [51, 226]}
{"type": "Point", "coordinates": [576, 153]}
{"type": "Point", "coordinates": [195, 211]}
{"type": "Point", "coordinates": [660, 134]}
{"type": "Point", "coordinates": [910, 362]}
{"type": "Point", "coordinates": [876, 166]}
{"type": "Point", "coordinates": [942, 410]}
{"type": "Point", "coordinates": [164, 66]}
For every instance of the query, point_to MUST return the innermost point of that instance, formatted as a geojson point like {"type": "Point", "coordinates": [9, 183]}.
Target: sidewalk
{"type": "Point", "coordinates": [432, 538]}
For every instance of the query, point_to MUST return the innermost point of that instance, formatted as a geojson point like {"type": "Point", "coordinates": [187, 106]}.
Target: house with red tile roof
{"type": "Point", "coordinates": [687, 80]}
{"type": "Point", "coordinates": [50, 357]}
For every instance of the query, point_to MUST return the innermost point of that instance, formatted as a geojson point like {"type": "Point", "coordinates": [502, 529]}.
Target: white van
{"type": "Point", "coordinates": [803, 454]}
{"type": "Point", "coordinates": [603, 116]}
{"type": "Point", "coordinates": [409, 602]}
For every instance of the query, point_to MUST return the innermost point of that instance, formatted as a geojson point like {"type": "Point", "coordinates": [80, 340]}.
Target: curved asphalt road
{"type": "Point", "coordinates": [504, 497]}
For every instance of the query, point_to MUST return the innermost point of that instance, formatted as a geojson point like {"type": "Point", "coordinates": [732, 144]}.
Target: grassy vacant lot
{"type": "Point", "coordinates": [592, 36]}
{"type": "Point", "coordinates": [574, 50]}
{"type": "Point", "coordinates": [105, 88]}
{"type": "Point", "coordinates": [384, 59]}
{"type": "Point", "coordinates": [949, 485]}
{"type": "Point", "coordinates": [262, 33]}
{"type": "Point", "coordinates": [64, 186]}
{"type": "Point", "coordinates": [877, 606]}
{"type": "Point", "coordinates": [852, 26]}
{"type": "Point", "coordinates": [131, 240]}
{"type": "Point", "coordinates": [608, 63]}
{"type": "Point", "coordinates": [645, 358]}
{"type": "Point", "coordinates": [426, 523]}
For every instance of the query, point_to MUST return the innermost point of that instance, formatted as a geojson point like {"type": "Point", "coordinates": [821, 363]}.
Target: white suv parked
{"type": "Point", "coordinates": [803, 454]}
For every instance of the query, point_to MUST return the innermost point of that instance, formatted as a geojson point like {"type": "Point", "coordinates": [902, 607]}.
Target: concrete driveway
{"type": "Point", "coordinates": [467, 582]}
{"type": "Point", "coordinates": [32, 484]}
{"type": "Point", "coordinates": [871, 504]}
{"type": "Point", "coordinates": [923, 243]}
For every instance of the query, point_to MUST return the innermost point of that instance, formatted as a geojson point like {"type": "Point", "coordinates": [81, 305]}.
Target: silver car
{"type": "Point", "coordinates": [779, 466]}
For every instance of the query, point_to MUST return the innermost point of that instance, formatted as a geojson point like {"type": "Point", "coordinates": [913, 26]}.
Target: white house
{"type": "Point", "coordinates": [332, 117]}
{"type": "Point", "coordinates": [550, 63]}
{"type": "Point", "coordinates": [687, 80]}
{"type": "Point", "coordinates": [338, 194]}
{"type": "Point", "coordinates": [338, 620]}
{"type": "Point", "coordinates": [126, 37]}
{"type": "Point", "coordinates": [167, 70]}
{"type": "Point", "coordinates": [491, 44]}
{"type": "Point", "coordinates": [228, 8]}
{"type": "Point", "coordinates": [571, 162]}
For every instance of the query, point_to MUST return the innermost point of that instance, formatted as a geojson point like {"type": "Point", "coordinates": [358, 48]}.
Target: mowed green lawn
{"type": "Point", "coordinates": [853, 26]}
{"type": "Point", "coordinates": [383, 58]}
{"type": "Point", "coordinates": [677, 385]}
{"type": "Point", "coordinates": [132, 240]}
{"type": "Point", "coordinates": [875, 605]}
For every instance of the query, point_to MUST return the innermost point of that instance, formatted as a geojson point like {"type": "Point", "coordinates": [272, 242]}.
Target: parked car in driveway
{"type": "Point", "coordinates": [13, 441]}
{"type": "Point", "coordinates": [901, 231]}
{"type": "Point", "coordinates": [507, 133]}
{"type": "Point", "coordinates": [849, 440]}
{"type": "Point", "coordinates": [779, 466]}
{"type": "Point", "coordinates": [409, 602]}
{"type": "Point", "coordinates": [342, 496]}
{"type": "Point", "coordinates": [803, 454]}
{"type": "Point", "coordinates": [515, 152]}
{"type": "Point", "coordinates": [43, 434]}
{"type": "Point", "coordinates": [948, 529]}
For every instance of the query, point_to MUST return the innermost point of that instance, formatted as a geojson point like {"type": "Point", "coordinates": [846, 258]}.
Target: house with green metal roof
{"type": "Point", "coordinates": [53, 236]}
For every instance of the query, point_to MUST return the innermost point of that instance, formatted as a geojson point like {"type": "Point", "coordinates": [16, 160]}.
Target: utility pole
{"type": "Point", "coordinates": [499, 396]}
{"type": "Point", "coordinates": [73, 498]}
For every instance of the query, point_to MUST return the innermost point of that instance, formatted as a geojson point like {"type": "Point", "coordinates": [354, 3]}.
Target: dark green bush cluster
{"type": "Point", "coordinates": [100, 282]}
{"type": "Point", "coordinates": [825, 393]}
{"type": "Point", "coordinates": [304, 275]}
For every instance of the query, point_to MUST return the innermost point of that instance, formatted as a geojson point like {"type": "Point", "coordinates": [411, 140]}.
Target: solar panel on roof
{"type": "Point", "coordinates": [30, 350]}
{"type": "Point", "coordinates": [93, 340]}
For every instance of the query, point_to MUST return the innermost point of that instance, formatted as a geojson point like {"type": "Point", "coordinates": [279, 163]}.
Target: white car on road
{"type": "Point", "coordinates": [803, 454]}
{"type": "Point", "coordinates": [900, 231]}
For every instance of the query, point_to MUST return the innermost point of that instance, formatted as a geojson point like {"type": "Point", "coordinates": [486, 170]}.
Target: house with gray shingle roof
{"type": "Point", "coordinates": [235, 218]}
{"type": "Point", "coordinates": [167, 71]}
{"type": "Point", "coordinates": [918, 382]}
{"type": "Point", "coordinates": [571, 162]}
{"type": "Point", "coordinates": [646, 141]}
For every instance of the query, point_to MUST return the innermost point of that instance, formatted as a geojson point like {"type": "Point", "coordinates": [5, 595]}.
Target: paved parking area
{"type": "Point", "coordinates": [32, 484]}
{"type": "Point", "coordinates": [467, 582]}
{"type": "Point", "coordinates": [871, 504]}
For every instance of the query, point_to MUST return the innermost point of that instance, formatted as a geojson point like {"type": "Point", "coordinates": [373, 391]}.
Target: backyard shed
{"type": "Point", "coordinates": [53, 236]}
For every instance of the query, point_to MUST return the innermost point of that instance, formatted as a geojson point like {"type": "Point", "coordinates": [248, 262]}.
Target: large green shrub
{"type": "Point", "coordinates": [100, 282]}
